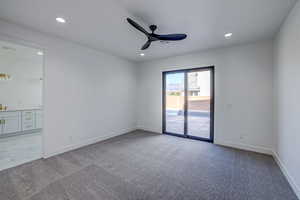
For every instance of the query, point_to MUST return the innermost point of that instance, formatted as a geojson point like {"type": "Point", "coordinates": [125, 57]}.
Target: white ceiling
{"type": "Point", "coordinates": [101, 24]}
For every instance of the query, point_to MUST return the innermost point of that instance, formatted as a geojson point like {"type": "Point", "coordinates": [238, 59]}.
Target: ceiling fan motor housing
{"type": "Point", "coordinates": [153, 28]}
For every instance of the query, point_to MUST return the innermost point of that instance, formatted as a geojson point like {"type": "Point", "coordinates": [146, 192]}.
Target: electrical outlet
{"type": "Point", "coordinates": [229, 106]}
{"type": "Point", "coordinates": [242, 136]}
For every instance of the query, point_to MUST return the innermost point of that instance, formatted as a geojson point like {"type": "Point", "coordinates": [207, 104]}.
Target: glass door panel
{"type": "Point", "coordinates": [198, 103]}
{"type": "Point", "coordinates": [174, 102]}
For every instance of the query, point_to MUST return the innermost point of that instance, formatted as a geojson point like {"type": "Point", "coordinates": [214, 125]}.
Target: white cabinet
{"type": "Point", "coordinates": [38, 119]}
{"type": "Point", "coordinates": [20, 121]}
{"type": "Point", "coordinates": [28, 120]}
{"type": "Point", "coordinates": [10, 122]}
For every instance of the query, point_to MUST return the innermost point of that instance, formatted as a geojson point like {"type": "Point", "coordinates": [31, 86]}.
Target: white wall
{"type": "Point", "coordinates": [24, 90]}
{"type": "Point", "coordinates": [243, 102]}
{"type": "Point", "coordinates": [88, 95]}
{"type": "Point", "coordinates": [287, 94]}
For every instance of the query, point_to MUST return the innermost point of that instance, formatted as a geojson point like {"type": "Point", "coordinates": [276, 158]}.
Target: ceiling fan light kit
{"type": "Point", "coordinates": [152, 37]}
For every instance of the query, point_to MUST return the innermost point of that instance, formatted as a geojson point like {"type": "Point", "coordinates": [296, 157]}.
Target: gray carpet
{"type": "Point", "coordinates": [142, 166]}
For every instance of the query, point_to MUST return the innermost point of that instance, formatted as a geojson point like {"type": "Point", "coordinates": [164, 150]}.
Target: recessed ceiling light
{"type": "Point", "coordinates": [40, 53]}
{"type": "Point", "coordinates": [60, 20]}
{"type": "Point", "coordinates": [228, 35]}
{"type": "Point", "coordinates": [142, 54]}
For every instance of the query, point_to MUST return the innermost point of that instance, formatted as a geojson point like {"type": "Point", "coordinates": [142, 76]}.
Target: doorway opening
{"type": "Point", "coordinates": [188, 103]}
{"type": "Point", "coordinates": [21, 104]}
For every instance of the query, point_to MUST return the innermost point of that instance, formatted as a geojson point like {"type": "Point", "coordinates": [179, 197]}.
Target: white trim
{"type": "Point", "coordinates": [148, 130]}
{"type": "Point", "coordinates": [288, 176]}
{"type": "Point", "coordinates": [86, 143]}
{"type": "Point", "coordinates": [246, 147]}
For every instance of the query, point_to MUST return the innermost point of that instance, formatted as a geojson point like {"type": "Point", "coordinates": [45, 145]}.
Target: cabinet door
{"type": "Point", "coordinates": [11, 123]}
{"type": "Point", "coordinates": [38, 119]}
{"type": "Point", "coordinates": [1, 125]}
{"type": "Point", "coordinates": [27, 120]}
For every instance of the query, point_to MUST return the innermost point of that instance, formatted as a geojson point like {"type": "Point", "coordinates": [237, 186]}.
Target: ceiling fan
{"type": "Point", "coordinates": [155, 37]}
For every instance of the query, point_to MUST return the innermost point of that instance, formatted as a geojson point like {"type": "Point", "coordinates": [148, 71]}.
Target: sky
{"type": "Point", "coordinates": [175, 81]}
{"type": "Point", "coordinates": [175, 78]}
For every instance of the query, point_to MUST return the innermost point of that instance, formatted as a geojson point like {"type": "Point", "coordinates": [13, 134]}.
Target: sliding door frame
{"type": "Point", "coordinates": [212, 102]}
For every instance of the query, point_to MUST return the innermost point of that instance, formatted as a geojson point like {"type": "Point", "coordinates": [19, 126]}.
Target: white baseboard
{"type": "Point", "coordinates": [149, 130]}
{"type": "Point", "coordinates": [289, 178]}
{"type": "Point", "coordinates": [241, 146]}
{"type": "Point", "coordinates": [86, 143]}
{"type": "Point", "coordinates": [246, 147]}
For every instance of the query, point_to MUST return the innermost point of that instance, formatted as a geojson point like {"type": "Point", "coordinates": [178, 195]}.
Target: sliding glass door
{"type": "Point", "coordinates": [188, 103]}
{"type": "Point", "coordinates": [174, 98]}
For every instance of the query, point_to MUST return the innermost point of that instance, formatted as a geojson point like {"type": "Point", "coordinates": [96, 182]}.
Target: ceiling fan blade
{"type": "Point", "coordinates": [137, 26]}
{"type": "Point", "coordinates": [146, 45]}
{"type": "Point", "coordinates": [171, 37]}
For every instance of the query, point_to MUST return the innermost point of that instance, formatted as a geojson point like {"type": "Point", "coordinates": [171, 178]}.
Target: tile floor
{"type": "Point", "coordinates": [20, 149]}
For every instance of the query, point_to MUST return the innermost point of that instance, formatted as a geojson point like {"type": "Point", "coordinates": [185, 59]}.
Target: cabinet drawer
{"type": "Point", "coordinates": [10, 114]}
{"type": "Point", "coordinates": [27, 127]}
{"type": "Point", "coordinates": [28, 115]}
